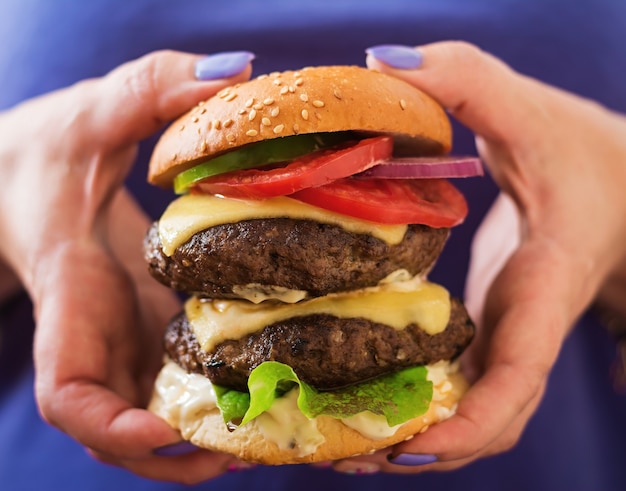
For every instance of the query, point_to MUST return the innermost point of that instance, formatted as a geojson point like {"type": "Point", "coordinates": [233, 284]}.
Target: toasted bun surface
{"type": "Point", "coordinates": [205, 428]}
{"type": "Point", "coordinates": [311, 100]}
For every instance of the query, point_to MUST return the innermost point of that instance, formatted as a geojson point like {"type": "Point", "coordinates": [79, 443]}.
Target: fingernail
{"type": "Point", "coordinates": [222, 65]}
{"type": "Point", "coordinates": [357, 468]}
{"type": "Point", "coordinates": [180, 448]}
{"type": "Point", "coordinates": [397, 56]}
{"type": "Point", "coordinates": [412, 459]}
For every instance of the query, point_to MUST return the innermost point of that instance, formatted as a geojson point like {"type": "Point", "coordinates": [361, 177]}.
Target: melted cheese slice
{"type": "Point", "coordinates": [191, 214]}
{"type": "Point", "coordinates": [396, 304]}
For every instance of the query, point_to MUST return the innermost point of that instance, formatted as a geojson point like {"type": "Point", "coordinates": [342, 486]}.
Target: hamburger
{"type": "Point", "coordinates": [312, 207]}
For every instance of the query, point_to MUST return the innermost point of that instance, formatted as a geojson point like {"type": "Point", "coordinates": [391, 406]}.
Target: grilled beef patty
{"type": "Point", "coordinates": [324, 351]}
{"type": "Point", "coordinates": [294, 254]}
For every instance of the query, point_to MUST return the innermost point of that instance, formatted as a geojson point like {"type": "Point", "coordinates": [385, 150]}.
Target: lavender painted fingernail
{"type": "Point", "coordinates": [222, 65]}
{"type": "Point", "coordinates": [180, 448]}
{"type": "Point", "coordinates": [413, 460]}
{"type": "Point", "coordinates": [397, 56]}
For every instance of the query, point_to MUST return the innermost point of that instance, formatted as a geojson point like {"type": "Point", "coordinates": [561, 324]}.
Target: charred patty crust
{"type": "Point", "coordinates": [324, 351]}
{"type": "Point", "coordinates": [295, 254]}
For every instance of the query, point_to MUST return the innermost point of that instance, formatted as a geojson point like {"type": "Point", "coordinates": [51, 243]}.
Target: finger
{"type": "Point", "coordinates": [479, 89]}
{"type": "Point", "coordinates": [190, 468]}
{"type": "Point", "coordinates": [531, 295]}
{"type": "Point", "coordinates": [498, 236]}
{"type": "Point", "coordinates": [139, 97]}
{"type": "Point", "coordinates": [127, 226]}
{"type": "Point", "coordinates": [380, 462]}
{"type": "Point", "coordinates": [88, 355]}
{"type": "Point", "coordinates": [510, 113]}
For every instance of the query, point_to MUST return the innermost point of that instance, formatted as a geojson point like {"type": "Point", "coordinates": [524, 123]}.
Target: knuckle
{"type": "Point", "coordinates": [464, 53]}
{"type": "Point", "coordinates": [101, 457]}
{"type": "Point", "coordinates": [509, 442]}
{"type": "Point", "coordinates": [473, 60]}
{"type": "Point", "coordinates": [508, 439]}
{"type": "Point", "coordinates": [139, 79]}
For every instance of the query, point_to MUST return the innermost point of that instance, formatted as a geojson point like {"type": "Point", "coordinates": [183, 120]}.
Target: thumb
{"type": "Point", "coordinates": [137, 98]}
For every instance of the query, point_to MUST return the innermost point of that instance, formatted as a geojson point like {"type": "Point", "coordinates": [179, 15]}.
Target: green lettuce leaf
{"type": "Point", "coordinates": [398, 397]}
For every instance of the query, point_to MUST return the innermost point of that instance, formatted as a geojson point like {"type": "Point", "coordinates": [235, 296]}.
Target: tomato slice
{"type": "Point", "coordinates": [315, 169]}
{"type": "Point", "coordinates": [433, 202]}
{"type": "Point", "coordinates": [257, 155]}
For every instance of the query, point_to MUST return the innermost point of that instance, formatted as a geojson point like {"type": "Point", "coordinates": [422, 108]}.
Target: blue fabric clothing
{"type": "Point", "coordinates": [577, 439]}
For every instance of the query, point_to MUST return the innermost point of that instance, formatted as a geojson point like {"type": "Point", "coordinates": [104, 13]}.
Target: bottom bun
{"type": "Point", "coordinates": [283, 435]}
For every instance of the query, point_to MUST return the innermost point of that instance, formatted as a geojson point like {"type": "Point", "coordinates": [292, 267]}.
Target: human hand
{"type": "Point", "coordinates": [73, 236]}
{"type": "Point", "coordinates": [561, 160]}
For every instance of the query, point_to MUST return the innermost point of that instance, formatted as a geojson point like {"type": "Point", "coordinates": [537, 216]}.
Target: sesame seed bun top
{"type": "Point", "coordinates": [310, 100]}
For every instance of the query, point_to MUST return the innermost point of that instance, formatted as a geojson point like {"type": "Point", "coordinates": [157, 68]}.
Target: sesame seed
{"type": "Point", "coordinates": [403, 104]}
{"type": "Point", "coordinates": [279, 128]}
{"type": "Point", "coordinates": [275, 112]}
{"type": "Point", "coordinates": [252, 132]}
{"type": "Point", "coordinates": [269, 101]}
{"type": "Point", "coordinates": [252, 115]}
{"type": "Point", "coordinates": [223, 93]}
{"type": "Point", "coordinates": [292, 89]}
{"type": "Point", "coordinates": [209, 126]}
{"type": "Point", "coordinates": [243, 111]}
{"type": "Point", "coordinates": [318, 115]}
{"type": "Point", "coordinates": [337, 94]}
{"type": "Point", "coordinates": [258, 106]}
{"type": "Point", "coordinates": [299, 82]}
{"type": "Point", "coordinates": [284, 90]}
{"type": "Point", "coordinates": [304, 98]}
{"type": "Point", "coordinates": [296, 129]}
{"type": "Point", "coordinates": [174, 156]}
{"type": "Point", "coordinates": [230, 97]}
{"type": "Point", "coordinates": [275, 74]}
{"type": "Point", "coordinates": [203, 147]}
{"type": "Point", "coordinates": [218, 124]}
{"type": "Point", "coordinates": [182, 127]}
{"type": "Point", "coordinates": [249, 102]}
{"type": "Point", "coordinates": [262, 76]}
{"type": "Point", "coordinates": [266, 122]}
{"type": "Point", "coordinates": [230, 137]}
{"type": "Point", "coordinates": [195, 120]}
{"type": "Point", "coordinates": [305, 114]}
{"type": "Point", "coordinates": [203, 110]}
{"type": "Point", "coordinates": [296, 74]}
{"type": "Point", "coordinates": [228, 123]}
{"type": "Point", "coordinates": [277, 81]}
{"type": "Point", "coordinates": [318, 103]}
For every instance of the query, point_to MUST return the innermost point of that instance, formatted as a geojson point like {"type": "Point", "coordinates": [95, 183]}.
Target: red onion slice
{"type": "Point", "coordinates": [447, 166]}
